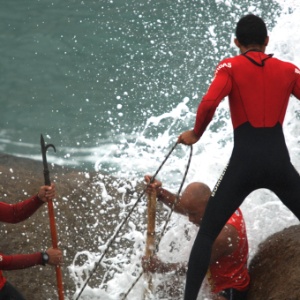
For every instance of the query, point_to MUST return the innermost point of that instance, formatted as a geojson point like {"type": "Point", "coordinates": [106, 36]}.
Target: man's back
{"type": "Point", "coordinates": [261, 87]}
{"type": "Point", "coordinates": [258, 86]}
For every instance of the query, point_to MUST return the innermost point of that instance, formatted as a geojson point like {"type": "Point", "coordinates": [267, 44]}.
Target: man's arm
{"type": "Point", "coordinates": [20, 261]}
{"type": "Point", "coordinates": [163, 195]}
{"type": "Point", "coordinates": [218, 90]}
{"type": "Point", "coordinates": [14, 213]}
{"type": "Point", "coordinates": [155, 265]}
{"type": "Point", "coordinates": [225, 244]}
{"type": "Point", "coordinates": [296, 89]}
{"type": "Point", "coordinates": [23, 261]}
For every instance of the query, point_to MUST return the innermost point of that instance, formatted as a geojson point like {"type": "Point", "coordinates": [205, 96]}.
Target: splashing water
{"type": "Point", "coordinates": [118, 106]}
{"type": "Point", "coordinates": [141, 154]}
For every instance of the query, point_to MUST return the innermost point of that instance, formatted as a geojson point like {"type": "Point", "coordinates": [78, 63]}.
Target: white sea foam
{"type": "Point", "coordinates": [263, 212]}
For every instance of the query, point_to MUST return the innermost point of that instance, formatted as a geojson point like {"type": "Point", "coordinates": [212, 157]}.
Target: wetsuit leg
{"type": "Point", "coordinates": [232, 294]}
{"type": "Point", "coordinates": [9, 292]}
{"type": "Point", "coordinates": [287, 188]}
{"type": "Point", "coordinates": [260, 159]}
{"type": "Point", "coordinates": [230, 191]}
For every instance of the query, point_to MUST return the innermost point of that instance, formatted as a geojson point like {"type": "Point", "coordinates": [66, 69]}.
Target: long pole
{"type": "Point", "coordinates": [59, 280]}
{"type": "Point", "coordinates": [150, 240]}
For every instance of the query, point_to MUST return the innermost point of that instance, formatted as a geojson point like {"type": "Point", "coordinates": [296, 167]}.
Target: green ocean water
{"type": "Point", "coordinates": [111, 83]}
{"type": "Point", "coordinates": [87, 73]}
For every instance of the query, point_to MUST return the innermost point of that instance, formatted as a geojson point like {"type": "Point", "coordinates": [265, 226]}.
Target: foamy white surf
{"type": "Point", "coordinates": [263, 212]}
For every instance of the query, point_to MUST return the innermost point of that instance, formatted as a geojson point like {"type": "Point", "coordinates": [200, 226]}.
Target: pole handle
{"type": "Point", "coordinates": [150, 241]}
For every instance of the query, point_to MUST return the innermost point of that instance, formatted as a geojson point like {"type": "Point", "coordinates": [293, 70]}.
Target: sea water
{"type": "Point", "coordinates": [113, 83]}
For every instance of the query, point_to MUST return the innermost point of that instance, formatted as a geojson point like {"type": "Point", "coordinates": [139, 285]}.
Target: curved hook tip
{"type": "Point", "coordinates": [50, 146]}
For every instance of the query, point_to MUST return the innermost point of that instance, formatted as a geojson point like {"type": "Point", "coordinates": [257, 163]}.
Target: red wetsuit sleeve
{"type": "Point", "coordinates": [14, 213]}
{"type": "Point", "coordinates": [218, 90]}
{"type": "Point", "coordinates": [20, 261]}
{"type": "Point", "coordinates": [296, 89]}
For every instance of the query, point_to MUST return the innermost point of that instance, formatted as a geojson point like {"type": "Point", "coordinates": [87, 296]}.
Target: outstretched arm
{"type": "Point", "coordinates": [155, 265]}
{"type": "Point", "coordinates": [164, 195]}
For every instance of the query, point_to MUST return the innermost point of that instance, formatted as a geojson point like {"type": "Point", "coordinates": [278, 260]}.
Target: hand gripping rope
{"type": "Point", "coordinates": [118, 229]}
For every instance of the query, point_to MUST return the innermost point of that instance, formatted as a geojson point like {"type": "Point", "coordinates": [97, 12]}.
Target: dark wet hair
{"type": "Point", "coordinates": [251, 30]}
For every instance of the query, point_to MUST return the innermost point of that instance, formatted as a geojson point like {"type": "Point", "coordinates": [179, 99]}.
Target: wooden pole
{"type": "Point", "coordinates": [150, 240]}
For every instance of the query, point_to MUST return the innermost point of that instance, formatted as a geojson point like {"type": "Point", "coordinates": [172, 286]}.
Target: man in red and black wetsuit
{"type": "Point", "coordinates": [258, 87]}
{"type": "Point", "coordinates": [14, 213]}
{"type": "Point", "coordinates": [228, 273]}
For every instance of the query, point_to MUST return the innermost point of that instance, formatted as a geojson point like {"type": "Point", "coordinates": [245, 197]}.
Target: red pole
{"type": "Point", "coordinates": [60, 288]}
{"type": "Point", "coordinates": [52, 217]}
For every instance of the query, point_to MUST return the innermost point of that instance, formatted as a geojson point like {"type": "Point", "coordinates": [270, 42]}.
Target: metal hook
{"type": "Point", "coordinates": [45, 163]}
{"type": "Point", "coordinates": [45, 147]}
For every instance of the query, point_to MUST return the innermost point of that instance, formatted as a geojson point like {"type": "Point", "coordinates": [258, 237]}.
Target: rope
{"type": "Point", "coordinates": [166, 223]}
{"type": "Point", "coordinates": [110, 241]}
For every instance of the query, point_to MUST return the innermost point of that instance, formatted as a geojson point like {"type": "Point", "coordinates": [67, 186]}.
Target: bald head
{"type": "Point", "coordinates": [194, 200]}
{"type": "Point", "coordinates": [197, 193]}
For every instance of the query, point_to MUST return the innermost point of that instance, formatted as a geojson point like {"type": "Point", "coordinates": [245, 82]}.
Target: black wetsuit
{"type": "Point", "coordinates": [9, 292]}
{"type": "Point", "coordinates": [260, 158]}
